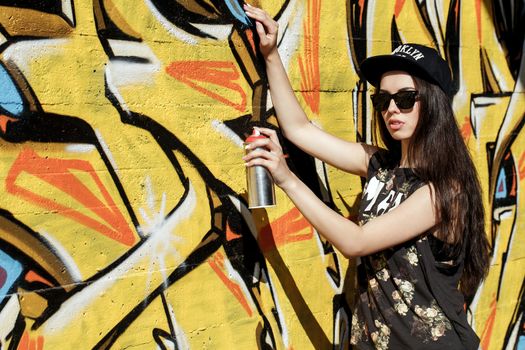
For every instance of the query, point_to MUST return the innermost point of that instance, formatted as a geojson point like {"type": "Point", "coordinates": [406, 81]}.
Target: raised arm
{"type": "Point", "coordinates": [411, 218]}
{"type": "Point", "coordinates": [349, 156]}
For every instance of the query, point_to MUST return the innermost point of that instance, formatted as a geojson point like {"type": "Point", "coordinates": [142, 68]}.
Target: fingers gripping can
{"type": "Point", "coordinates": [261, 189]}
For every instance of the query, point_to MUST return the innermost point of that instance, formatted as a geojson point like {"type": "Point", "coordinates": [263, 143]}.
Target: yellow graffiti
{"type": "Point", "coordinates": [123, 216]}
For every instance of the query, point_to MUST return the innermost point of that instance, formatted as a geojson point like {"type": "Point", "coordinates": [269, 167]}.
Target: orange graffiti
{"type": "Point", "coordinates": [310, 75]}
{"type": "Point", "coordinates": [399, 7]}
{"type": "Point", "coordinates": [513, 186]}
{"type": "Point", "coordinates": [361, 8]}
{"type": "Point", "coordinates": [478, 18]}
{"type": "Point", "coordinates": [521, 166]}
{"type": "Point", "coordinates": [230, 235]}
{"type": "Point", "coordinates": [289, 228]}
{"type": "Point", "coordinates": [28, 343]}
{"type": "Point", "coordinates": [219, 73]}
{"type": "Point", "coordinates": [4, 119]}
{"type": "Point", "coordinates": [32, 276]}
{"type": "Point", "coordinates": [217, 264]}
{"type": "Point", "coordinates": [249, 36]}
{"type": "Point", "coordinates": [59, 174]}
{"type": "Point", "coordinates": [466, 129]}
{"type": "Point", "coordinates": [487, 332]}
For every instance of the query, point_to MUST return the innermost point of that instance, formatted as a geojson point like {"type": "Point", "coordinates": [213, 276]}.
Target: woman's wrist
{"type": "Point", "coordinates": [272, 56]}
{"type": "Point", "coordinates": [290, 184]}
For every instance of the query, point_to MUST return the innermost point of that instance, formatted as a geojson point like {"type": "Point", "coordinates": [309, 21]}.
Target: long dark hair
{"type": "Point", "coordinates": [438, 155]}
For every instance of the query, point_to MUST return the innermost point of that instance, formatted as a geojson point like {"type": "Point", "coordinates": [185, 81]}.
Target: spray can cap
{"type": "Point", "coordinates": [256, 134]}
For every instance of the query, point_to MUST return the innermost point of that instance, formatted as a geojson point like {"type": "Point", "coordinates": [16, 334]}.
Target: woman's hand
{"type": "Point", "coordinates": [268, 153]}
{"type": "Point", "coordinates": [266, 27]}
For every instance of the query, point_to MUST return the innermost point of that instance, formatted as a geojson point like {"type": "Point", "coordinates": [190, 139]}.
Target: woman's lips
{"type": "Point", "coordinates": [395, 124]}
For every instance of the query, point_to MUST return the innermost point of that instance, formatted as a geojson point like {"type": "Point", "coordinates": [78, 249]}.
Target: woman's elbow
{"type": "Point", "coordinates": [350, 244]}
{"type": "Point", "coordinates": [352, 251]}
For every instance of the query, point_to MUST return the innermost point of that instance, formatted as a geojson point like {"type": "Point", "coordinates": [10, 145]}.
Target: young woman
{"type": "Point", "coordinates": [420, 238]}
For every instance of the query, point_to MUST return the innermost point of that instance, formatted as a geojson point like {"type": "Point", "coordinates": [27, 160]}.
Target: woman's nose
{"type": "Point", "coordinates": [392, 107]}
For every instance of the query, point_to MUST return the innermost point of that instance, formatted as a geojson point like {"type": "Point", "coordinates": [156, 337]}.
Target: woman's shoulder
{"type": "Point", "coordinates": [381, 159]}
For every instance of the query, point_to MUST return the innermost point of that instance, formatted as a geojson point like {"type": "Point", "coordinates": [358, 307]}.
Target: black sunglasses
{"type": "Point", "coordinates": [403, 99]}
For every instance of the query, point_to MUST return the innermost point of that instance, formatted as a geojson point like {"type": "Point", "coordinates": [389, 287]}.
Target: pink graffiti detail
{"type": "Point", "coordinates": [196, 74]}
{"type": "Point", "coordinates": [3, 277]}
{"type": "Point", "coordinates": [501, 187]}
{"type": "Point", "coordinates": [58, 173]}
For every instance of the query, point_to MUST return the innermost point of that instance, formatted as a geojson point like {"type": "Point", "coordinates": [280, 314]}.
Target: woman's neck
{"type": "Point", "coordinates": [403, 162]}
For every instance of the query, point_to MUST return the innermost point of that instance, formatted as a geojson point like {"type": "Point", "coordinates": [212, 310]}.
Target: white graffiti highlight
{"type": "Point", "coordinates": [107, 152]}
{"type": "Point", "coordinates": [227, 132]}
{"type": "Point", "coordinates": [81, 302]}
{"type": "Point", "coordinates": [8, 316]}
{"type": "Point", "coordinates": [24, 53]}
{"type": "Point", "coordinates": [80, 148]}
{"type": "Point", "coordinates": [125, 72]}
{"type": "Point", "coordinates": [64, 256]}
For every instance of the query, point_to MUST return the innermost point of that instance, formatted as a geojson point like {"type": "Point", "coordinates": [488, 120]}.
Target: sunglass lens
{"type": "Point", "coordinates": [380, 101]}
{"type": "Point", "coordinates": [405, 99]}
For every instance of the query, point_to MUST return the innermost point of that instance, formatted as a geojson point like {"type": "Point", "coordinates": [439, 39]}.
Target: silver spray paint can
{"type": "Point", "coordinates": [261, 189]}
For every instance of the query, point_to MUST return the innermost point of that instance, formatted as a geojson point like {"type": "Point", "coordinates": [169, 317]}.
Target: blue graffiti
{"type": "Point", "coordinates": [501, 187]}
{"type": "Point", "coordinates": [237, 11]}
{"type": "Point", "coordinates": [10, 271]}
{"type": "Point", "coordinates": [11, 100]}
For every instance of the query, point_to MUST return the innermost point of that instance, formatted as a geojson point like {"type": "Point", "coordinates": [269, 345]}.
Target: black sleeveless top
{"type": "Point", "coordinates": [407, 299]}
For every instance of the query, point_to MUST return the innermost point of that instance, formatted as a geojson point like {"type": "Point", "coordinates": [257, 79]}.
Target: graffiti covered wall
{"type": "Point", "coordinates": [123, 217]}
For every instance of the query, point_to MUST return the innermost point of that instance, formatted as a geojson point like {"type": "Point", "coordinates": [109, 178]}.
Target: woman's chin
{"type": "Point", "coordinates": [399, 135]}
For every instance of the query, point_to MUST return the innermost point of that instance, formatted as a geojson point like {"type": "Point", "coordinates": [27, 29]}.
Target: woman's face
{"type": "Point", "coordinates": [400, 122]}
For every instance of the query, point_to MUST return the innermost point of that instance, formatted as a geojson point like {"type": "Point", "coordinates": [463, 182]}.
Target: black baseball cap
{"type": "Point", "coordinates": [419, 60]}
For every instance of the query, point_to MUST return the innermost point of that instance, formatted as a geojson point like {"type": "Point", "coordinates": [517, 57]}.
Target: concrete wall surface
{"type": "Point", "coordinates": [123, 204]}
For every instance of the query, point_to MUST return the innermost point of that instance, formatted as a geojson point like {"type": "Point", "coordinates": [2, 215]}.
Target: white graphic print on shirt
{"type": "Point", "coordinates": [372, 192]}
